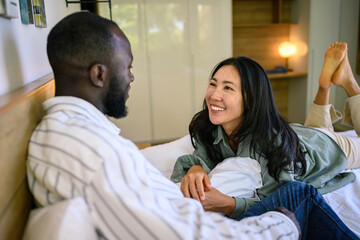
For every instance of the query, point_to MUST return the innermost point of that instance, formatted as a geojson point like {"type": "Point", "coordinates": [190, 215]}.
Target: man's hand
{"type": "Point", "coordinates": [215, 201]}
{"type": "Point", "coordinates": [290, 215]}
{"type": "Point", "coordinates": [195, 182]}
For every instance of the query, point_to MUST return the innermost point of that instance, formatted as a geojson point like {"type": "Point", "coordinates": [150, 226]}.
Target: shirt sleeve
{"type": "Point", "coordinates": [241, 206]}
{"type": "Point", "coordinates": [184, 163]}
{"type": "Point", "coordinates": [130, 199]}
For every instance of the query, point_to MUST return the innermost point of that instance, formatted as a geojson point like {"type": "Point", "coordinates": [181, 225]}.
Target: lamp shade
{"type": "Point", "coordinates": [286, 49]}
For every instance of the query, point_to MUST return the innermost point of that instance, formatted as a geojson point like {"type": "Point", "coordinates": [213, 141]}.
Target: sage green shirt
{"type": "Point", "coordinates": [325, 161]}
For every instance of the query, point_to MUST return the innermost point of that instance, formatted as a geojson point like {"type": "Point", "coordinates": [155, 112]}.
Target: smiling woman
{"type": "Point", "coordinates": [240, 119]}
{"type": "Point", "coordinates": [229, 120]}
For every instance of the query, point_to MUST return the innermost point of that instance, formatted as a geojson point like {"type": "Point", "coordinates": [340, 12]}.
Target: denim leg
{"type": "Point", "coordinates": [316, 218]}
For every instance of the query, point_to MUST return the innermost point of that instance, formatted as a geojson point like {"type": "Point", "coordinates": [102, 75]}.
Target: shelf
{"type": "Point", "coordinates": [258, 28]}
{"type": "Point", "coordinates": [264, 25]}
{"type": "Point", "coordinates": [290, 74]}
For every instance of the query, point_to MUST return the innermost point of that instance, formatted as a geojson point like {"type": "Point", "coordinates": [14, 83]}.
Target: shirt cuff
{"type": "Point", "coordinates": [239, 206]}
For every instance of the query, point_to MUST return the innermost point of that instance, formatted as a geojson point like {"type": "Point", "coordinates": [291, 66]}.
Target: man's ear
{"type": "Point", "coordinates": [98, 74]}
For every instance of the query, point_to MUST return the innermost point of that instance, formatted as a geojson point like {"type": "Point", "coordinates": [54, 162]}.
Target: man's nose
{"type": "Point", "coordinates": [132, 75]}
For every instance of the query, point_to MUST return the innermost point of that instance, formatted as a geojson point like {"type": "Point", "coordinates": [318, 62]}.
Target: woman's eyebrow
{"type": "Point", "coordinates": [225, 82]}
{"type": "Point", "coordinates": [229, 82]}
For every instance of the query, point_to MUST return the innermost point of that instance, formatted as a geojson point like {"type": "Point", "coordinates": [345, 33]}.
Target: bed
{"type": "Point", "coordinates": [20, 111]}
{"type": "Point", "coordinates": [344, 201]}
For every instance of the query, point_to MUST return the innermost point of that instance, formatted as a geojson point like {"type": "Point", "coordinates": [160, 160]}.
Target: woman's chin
{"type": "Point", "coordinates": [215, 121]}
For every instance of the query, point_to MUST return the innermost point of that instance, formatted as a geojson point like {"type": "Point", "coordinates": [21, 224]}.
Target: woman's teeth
{"type": "Point", "coordinates": [217, 108]}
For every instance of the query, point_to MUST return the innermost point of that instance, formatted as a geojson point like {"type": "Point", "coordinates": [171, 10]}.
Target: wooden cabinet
{"type": "Point", "coordinates": [259, 26]}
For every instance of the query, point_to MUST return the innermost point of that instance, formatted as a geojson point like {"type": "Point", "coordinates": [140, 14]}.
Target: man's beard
{"type": "Point", "coordinates": [115, 100]}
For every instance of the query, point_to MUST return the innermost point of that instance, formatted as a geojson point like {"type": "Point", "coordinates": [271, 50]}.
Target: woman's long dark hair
{"type": "Point", "coordinates": [269, 135]}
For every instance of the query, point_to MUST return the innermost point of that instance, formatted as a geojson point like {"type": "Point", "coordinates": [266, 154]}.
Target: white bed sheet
{"type": "Point", "coordinates": [344, 201]}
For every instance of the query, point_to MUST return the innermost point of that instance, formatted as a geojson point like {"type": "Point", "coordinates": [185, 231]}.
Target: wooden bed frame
{"type": "Point", "coordinates": [20, 111]}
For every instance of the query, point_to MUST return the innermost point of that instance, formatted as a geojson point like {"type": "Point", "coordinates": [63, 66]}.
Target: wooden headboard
{"type": "Point", "coordinates": [20, 111]}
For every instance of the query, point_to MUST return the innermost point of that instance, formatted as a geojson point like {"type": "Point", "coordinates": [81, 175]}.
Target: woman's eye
{"type": "Point", "coordinates": [212, 84]}
{"type": "Point", "coordinates": [228, 88]}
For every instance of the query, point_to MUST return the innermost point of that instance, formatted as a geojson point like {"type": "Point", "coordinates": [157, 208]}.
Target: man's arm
{"type": "Point", "coordinates": [130, 198]}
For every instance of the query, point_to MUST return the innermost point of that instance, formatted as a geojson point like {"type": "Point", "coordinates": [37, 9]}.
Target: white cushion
{"type": "Point", "coordinates": [164, 156]}
{"type": "Point", "coordinates": [245, 172]}
{"type": "Point", "coordinates": [69, 219]}
{"type": "Point", "coordinates": [237, 177]}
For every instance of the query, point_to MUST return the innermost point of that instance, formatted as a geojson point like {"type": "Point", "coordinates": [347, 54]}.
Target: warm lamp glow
{"type": "Point", "coordinates": [301, 48]}
{"type": "Point", "coordinates": [286, 49]}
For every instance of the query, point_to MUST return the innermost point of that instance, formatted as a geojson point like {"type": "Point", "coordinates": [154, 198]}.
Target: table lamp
{"type": "Point", "coordinates": [286, 49]}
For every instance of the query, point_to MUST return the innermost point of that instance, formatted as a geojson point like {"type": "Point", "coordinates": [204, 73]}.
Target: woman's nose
{"type": "Point", "coordinates": [216, 95]}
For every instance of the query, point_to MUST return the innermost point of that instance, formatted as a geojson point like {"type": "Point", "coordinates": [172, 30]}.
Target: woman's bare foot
{"type": "Point", "coordinates": [344, 78]}
{"type": "Point", "coordinates": [333, 57]}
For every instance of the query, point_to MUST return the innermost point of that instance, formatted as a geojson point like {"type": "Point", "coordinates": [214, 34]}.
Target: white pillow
{"type": "Point", "coordinates": [237, 177]}
{"type": "Point", "coordinates": [164, 156]}
{"type": "Point", "coordinates": [68, 219]}
{"type": "Point", "coordinates": [349, 133]}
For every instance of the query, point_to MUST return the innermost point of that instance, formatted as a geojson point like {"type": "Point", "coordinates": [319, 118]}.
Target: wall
{"type": "Point", "coordinates": [319, 23]}
{"type": "Point", "coordinates": [175, 44]}
{"type": "Point", "coordinates": [23, 47]}
{"type": "Point", "coordinates": [330, 21]}
{"type": "Point", "coordinates": [300, 12]}
{"type": "Point", "coordinates": [349, 32]}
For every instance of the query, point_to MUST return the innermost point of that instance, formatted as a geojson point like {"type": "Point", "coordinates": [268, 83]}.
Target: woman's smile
{"type": "Point", "coordinates": [214, 108]}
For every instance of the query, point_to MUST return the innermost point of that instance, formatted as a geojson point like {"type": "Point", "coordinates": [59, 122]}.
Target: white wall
{"type": "Point", "coordinates": [175, 44]}
{"type": "Point", "coordinates": [330, 21]}
{"type": "Point", "coordinates": [319, 23]}
{"type": "Point", "coordinates": [297, 86]}
{"type": "Point", "coordinates": [349, 31]}
{"type": "Point", "coordinates": [23, 47]}
{"type": "Point", "coordinates": [324, 29]}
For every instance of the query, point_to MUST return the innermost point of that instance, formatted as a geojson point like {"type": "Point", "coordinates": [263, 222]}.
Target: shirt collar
{"type": "Point", "coordinates": [219, 135]}
{"type": "Point", "coordinates": [80, 106]}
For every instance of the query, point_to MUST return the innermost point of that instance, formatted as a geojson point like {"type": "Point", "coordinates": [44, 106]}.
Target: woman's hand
{"type": "Point", "coordinates": [195, 182]}
{"type": "Point", "coordinates": [215, 201]}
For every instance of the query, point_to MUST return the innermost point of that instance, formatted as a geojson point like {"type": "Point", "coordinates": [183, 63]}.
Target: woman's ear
{"type": "Point", "coordinates": [98, 74]}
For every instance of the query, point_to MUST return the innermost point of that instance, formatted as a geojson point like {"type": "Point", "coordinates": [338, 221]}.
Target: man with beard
{"type": "Point", "coordinates": [75, 151]}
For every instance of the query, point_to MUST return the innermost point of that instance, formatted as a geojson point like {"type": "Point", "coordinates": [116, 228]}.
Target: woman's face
{"type": "Point", "coordinates": [224, 99]}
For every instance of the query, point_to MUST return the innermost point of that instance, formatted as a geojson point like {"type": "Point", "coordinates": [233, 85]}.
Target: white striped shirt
{"type": "Point", "coordinates": [76, 151]}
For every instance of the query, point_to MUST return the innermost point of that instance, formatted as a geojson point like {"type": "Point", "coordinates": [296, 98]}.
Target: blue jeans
{"type": "Point", "coordinates": [316, 218]}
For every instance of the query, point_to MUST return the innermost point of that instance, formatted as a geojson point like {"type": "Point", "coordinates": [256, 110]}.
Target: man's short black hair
{"type": "Point", "coordinates": [78, 41]}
